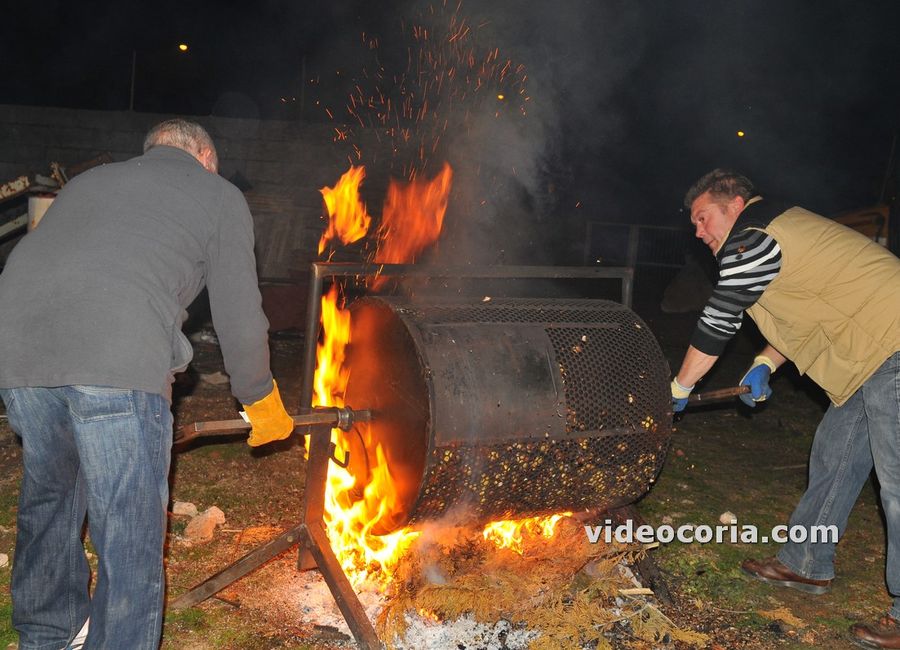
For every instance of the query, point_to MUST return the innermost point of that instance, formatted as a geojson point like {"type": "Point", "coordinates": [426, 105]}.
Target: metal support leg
{"type": "Point", "coordinates": [239, 569]}
{"type": "Point", "coordinates": [346, 599]}
{"type": "Point", "coordinates": [646, 566]}
{"type": "Point", "coordinates": [314, 493]}
{"type": "Point", "coordinates": [313, 540]}
{"type": "Point", "coordinates": [317, 549]}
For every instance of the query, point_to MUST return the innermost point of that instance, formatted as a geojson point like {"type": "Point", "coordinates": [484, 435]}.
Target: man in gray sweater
{"type": "Point", "coordinates": [90, 338]}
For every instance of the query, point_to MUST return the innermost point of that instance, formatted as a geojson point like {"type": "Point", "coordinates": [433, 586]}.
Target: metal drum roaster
{"type": "Point", "coordinates": [507, 406]}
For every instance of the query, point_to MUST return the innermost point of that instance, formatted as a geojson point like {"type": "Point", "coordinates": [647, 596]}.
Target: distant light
{"type": "Point", "coordinates": [501, 97]}
{"type": "Point", "coordinates": [740, 134]}
{"type": "Point", "coordinates": [183, 47]}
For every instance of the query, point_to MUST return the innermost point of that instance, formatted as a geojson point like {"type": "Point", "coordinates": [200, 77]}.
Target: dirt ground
{"type": "Point", "coordinates": [722, 458]}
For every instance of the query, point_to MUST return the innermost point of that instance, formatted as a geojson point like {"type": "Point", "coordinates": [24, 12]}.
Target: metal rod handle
{"type": "Point", "coordinates": [715, 395]}
{"type": "Point", "coordinates": [342, 417]}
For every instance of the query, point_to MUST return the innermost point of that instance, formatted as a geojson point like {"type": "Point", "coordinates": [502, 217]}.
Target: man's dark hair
{"type": "Point", "coordinates": [722, 184]}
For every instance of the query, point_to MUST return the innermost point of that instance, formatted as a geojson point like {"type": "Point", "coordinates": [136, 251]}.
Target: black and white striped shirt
{"type": "Point", "coordinates": [748, 262]}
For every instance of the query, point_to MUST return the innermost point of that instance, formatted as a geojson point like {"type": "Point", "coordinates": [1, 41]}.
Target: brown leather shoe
{"type": "Point", "coordinates": [884, 633]}
{"type": "Point", "coordinates": [775, 573]}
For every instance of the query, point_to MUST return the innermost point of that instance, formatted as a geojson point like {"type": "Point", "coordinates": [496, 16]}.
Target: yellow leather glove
{"type": "Point", "coordinates": [268, 419]}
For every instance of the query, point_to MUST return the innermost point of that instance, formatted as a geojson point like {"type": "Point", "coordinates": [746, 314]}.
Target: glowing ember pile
{"type": "Point", "coordinates": [559, 593]}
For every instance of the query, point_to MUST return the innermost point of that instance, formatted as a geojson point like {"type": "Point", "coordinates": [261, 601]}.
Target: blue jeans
{"type": "Point", "coordinates": [851, 439]}
{"type": "Point", "coordinates": [103, 452]}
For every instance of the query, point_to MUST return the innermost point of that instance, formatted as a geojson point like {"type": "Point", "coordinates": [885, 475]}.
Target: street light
{"type": "Point", "coordinates": [182, 47]}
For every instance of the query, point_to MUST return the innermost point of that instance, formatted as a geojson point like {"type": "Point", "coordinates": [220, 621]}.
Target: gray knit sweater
{"type": "Point", "coordinates": [97, 293]}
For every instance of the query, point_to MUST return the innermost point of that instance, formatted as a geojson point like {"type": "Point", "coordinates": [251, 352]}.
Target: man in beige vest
{"type": "Point", "coordinates": [827, 299]}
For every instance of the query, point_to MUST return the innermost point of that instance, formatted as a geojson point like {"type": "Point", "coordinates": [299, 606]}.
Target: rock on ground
{"type": "Point", "coordinates": [202, 527]}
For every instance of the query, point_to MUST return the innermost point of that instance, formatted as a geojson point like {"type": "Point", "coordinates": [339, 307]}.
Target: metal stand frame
{"type": "Point", "coordinates": [315, 549]}
{"type": "Point", "coordinates": [312, 538]}
{"type": "Point", "coordinates": [321, 270]}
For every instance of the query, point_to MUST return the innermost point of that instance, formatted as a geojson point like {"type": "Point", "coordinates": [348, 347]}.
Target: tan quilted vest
{"type": "Point", "coordinates": [834, 308]}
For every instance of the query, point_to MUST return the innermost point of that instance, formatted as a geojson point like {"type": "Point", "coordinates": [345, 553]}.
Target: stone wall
{"type": "Point", "coordinates": [280, 165]}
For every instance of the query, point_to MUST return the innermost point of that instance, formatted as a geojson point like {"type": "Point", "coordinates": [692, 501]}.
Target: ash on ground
{"type": "Point", "coordinates": [317, 607]}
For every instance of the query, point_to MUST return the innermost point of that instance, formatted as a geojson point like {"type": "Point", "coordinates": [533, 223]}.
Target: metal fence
{"type": "Point", "coordinates": [632, 245]}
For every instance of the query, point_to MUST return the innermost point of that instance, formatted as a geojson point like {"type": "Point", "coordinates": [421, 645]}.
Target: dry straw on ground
{"type": "Point", "coordinates": [568, 590]}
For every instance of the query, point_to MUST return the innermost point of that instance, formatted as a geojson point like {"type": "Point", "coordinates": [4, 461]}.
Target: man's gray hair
{"type": "Point", "coordinates": [189, 136]}
{"type": "Point", "coordinates": [721, 184]}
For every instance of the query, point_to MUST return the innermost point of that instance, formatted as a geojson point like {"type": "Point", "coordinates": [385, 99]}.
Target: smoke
{"type": "Point", "coordinates": [525, 170]}
{"type": "Point", "coordinates": [519, 98]}
{"type": "Point", "coordinates": [611, 110]}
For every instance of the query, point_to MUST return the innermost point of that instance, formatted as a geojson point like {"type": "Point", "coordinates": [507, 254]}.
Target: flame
{"type": "Point", "coordinates": [412, 220]}
{"type": "Point", "coordinates": [509, 533]}
{"type": "Point", "coordinates": [351, 512]}
{"type": "Point", "coordinates": [331, 377]}
{"type": "Point", "coordinates": [413, 217]}
{"type": "Point", "coordinates": [347, 216]}
{"type": "Point", "coordinates": [447, 80]}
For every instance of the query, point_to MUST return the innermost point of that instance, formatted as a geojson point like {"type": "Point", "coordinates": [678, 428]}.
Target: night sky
{"type": "Point", "coordinates": [629, 102]}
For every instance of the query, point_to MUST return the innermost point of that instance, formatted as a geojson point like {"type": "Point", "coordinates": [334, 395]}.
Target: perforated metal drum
{"type": "Point", "coordinates": [510, 407]}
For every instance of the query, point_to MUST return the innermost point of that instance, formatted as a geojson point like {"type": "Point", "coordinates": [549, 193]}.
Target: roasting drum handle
{"type": "Point", "coordinates": [343, 418]}
{"type": "Point", "coordinates": [716, 395]}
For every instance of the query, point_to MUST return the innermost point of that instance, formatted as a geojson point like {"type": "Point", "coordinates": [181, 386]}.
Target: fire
{"type": "Point", "coordinates": [413, 217]}
{"type": "Point", "coordinates": [348, 219]}
{"type": "Point", "coordinates": [331, 376]}
{"type": "Point", "coordinates": [412, 220]}
{"type": "Point", "coordinates": [351, 512]}
{"type": "Point", "coordinates": [509, 533]}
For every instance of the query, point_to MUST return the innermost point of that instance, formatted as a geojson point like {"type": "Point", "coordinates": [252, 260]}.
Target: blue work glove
{"type": "Point", "coordinates": [757, 378]}
{"type": "Point", "coordinates": [679, 396]}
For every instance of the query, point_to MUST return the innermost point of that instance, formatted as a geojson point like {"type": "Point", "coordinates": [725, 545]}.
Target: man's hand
{"type": "Point", "coordinates": [268, 419]}
{"type": "Point", "coordinates": [679, 396]}
{"type": "Point", "coordinates": [757, 378]}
